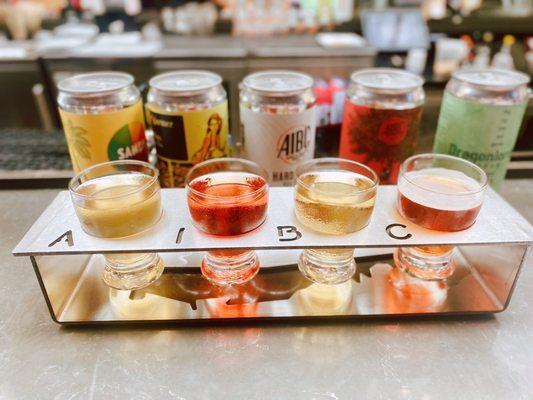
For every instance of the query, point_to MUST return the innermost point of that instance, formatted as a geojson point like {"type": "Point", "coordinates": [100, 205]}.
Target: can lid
{"type": "Point", "coordinates": [498, 78]}
{"type": "Point", "coordinates": [387, 79]}
{"type": "Point", "coordinates": [278, 82]}
{"type": "Point", "coordinates": [185, 81]}
{"type": "Point", "coordinates": [95, 82]}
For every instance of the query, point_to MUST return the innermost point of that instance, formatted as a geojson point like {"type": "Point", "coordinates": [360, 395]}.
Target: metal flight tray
{"type": "Point", "coordinates": [68, 264]}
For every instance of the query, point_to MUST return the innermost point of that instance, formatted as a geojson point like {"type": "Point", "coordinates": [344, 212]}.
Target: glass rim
{"type": "Point", "coordinates": [484, 183]}
{"type": "Point", "coordinates": [226, 160]}
{"type": "Point", "coordinates": [306, 164]}
{"type": "Point", "coordinates": [145, 186]}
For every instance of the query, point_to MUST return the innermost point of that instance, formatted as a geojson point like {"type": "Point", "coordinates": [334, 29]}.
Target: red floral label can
{"type": "Point", "coordinates": [379, 138]}
{"type": "Point", "coordinates": [381, 120]}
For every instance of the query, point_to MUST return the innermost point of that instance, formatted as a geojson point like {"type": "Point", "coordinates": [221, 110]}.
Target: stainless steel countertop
{"type": "Point", "coordinates": [431, 358]}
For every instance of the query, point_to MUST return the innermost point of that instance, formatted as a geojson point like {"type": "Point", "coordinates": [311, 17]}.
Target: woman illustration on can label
{"type": "Point", "coordinates": [211, 146]}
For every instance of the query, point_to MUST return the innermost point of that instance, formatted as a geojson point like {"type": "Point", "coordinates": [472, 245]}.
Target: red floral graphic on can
{"type": "Point", "coordinates": [379, 138]}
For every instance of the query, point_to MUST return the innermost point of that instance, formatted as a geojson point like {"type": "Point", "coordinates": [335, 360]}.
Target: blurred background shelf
{"type": "Point", "coordinates": [146, 43]}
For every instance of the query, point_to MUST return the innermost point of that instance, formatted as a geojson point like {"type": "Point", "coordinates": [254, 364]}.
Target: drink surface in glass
{"type": "Point", "coordinates": [228, 203]}
{"type": "Point", "coordinates": [336, 197]}
{"type": "Point", "coordinates": [102, 215]}
{"type": "Point", "coordinates": [228, 197]}
{"type": "Point", "coordinates": [442, 193]}
{"type": "Point", "coordinates": [440, 199]}
{"type": "Point", "coordinates": [116, 200]}
{"type": "Point", "coordinates": [334, 202]}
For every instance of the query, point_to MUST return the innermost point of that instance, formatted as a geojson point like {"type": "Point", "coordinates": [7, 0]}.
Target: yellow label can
{"type": "Point", "coordinates": [102, 116]}
{"type": "Point", "coordinates": [188, 113]}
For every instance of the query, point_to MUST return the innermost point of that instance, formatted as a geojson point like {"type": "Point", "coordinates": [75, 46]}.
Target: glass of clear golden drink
{"type": "Point", "coordinates": [336, 197]}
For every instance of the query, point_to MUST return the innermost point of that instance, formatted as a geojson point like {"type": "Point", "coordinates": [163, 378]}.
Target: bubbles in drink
{"type": "Point", "coordinates": [439, 198]}
{"type": "Point", "coordinates": [334, 202]}
{"type": "Point", "coordinates": [228, 203]}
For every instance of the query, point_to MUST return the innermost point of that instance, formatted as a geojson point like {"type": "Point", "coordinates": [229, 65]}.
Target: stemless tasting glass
{"type": "Point", "coordinates": [227, 197]}
{"type": "Point", "coordinates": [115, 200]}
{"type": "Point", "coordinates": [333, 196]}
{"type": "Point", "coordinates": [442, 193]}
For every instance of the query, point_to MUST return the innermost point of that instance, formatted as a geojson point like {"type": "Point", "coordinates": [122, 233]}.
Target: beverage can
{"type": "Point", "coordinates": [480, 118]}
{"type": "Point", "coordinates": [382, 114]}
{"type": "Point", "coordinates": [188, 113]}
{"type": "Point", "coordinates": [278, 122]}
{"type": "Point", "coordinates": [103, 118]}
{"type": "Point", "coordinates": [330, 104]}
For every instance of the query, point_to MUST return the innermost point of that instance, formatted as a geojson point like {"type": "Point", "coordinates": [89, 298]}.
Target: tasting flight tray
{"type": "Point", "coordinates": [68, 264]}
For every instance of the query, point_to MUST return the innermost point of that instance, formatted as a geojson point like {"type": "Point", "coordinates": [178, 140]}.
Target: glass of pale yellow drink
{"type": "Point", "coordinates": [333, 196]}
{"type": "Point", "coordinates": [115, 200]}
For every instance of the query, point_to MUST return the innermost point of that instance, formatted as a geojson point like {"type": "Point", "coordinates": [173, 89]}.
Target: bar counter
{"type": "Point", "coordinates": [489, 357]}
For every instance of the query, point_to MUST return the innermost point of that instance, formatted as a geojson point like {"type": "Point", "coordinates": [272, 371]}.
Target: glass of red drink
{"type": "Point", "coordinates": [228, 197]}
{"type": "Point", "coordinates": [442, 193]}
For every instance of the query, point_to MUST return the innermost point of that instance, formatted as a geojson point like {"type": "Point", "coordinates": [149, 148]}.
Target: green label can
{"type": "Point", "coordinates": [480, 117]}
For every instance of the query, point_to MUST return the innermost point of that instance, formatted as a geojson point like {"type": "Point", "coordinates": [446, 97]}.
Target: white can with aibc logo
{"type": "Point", "coordinates": [278, 122]}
